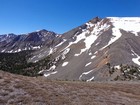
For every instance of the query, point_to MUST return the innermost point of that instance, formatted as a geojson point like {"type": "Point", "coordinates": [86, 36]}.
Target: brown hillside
{"type": "Point", "coordinates": [20, 90]}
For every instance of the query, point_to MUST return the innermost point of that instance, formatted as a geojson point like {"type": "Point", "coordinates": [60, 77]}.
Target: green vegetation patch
{"type": "Point", "coordinates": [17, 63]}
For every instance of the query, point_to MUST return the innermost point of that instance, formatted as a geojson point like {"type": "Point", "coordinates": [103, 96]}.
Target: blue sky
{"type": "Point", "coordinates": [23, 16]}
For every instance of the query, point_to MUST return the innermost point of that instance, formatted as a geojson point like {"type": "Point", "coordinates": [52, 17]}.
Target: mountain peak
{"type": "Point", "coordinates": [95, 20]}
{"type": "Point", "coordinates": [41, 30]}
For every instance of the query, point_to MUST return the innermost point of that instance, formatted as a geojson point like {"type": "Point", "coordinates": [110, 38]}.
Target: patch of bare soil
{"type": "Point", "coordinates": [21, 90]}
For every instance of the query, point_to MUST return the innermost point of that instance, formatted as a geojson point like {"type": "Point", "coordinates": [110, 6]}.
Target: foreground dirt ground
{"type": "Point", "coordinates": [20, 90]}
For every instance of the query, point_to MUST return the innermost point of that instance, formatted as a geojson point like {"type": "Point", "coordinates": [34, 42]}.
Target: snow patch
{"type": "Point", "coordinates": [76, 54]}
{"type": "Point", "coordinates": [35, 61]}
{"type": "Point", "coordinates": [117, 67]}
{"type": "Point", "coordinates": [65, 53]}
{"type": "Point", "coordinates": [130, 24]}
{"type": "Point", "coordinates": [46, 75]}
{"type": "Point", "coordinates": [40, 72]}
{"type": "Point", "coordinates": [36, 47]}
{"type": "Point", "coordinates": [10, 51]}
{"type": "Point", "coordinates": [90, 79]}
{"type": "Point", "coordinates": [88, 64]}
{"type": "Point", "coordinates": [19, 50]}
{"type": "Point", "coordinates": [65, 63]}
{"type": "Point", "coordinates": [99, 29]}
{"type": "Point", "coordinates": [52, 68]}
{"type": "Point", "coordinates": [51, 51]}
{"type": "Point", "coordinates": [90, 53]}
{"type": "Point", "coordinates": [93, 57]}
{"type": "Point", "coordinates": [136, 60]}
{"type": "Point", "coordinates": [97, 43]}
{"type": "Point", "coordinates": [96, 52]}
{"type": "Point", "coordinates": [89, 25]}
{"type": "Point", "coordinates": [116, 35]}
{"type": "Point", "coordinates": [88, 42]}
{"type": "Point", "coordinates": [33, 57]}
{"type": "Point", "coordinates": [3, 50]}
{"type": "Point", "coordinates": [64, 40]}
{"type": "Point", "coordinates": [85, 73]}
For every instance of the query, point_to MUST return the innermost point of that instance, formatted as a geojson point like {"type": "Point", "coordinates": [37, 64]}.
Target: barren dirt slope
{"type": "Point", "coordinates": [20, 90]}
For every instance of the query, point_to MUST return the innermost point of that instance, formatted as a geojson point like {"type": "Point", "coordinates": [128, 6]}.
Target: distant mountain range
{"type": "Point", "coordinates": [12, 43]}
{"type": "Point", "coordinates": [101, 49]}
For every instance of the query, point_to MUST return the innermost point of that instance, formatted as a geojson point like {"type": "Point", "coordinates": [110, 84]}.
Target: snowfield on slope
{"type": "Point", "coordinates": [129, 24]}
{"type": "Point", "coordinates": [136, 60]}
{"type": "Point", "coordinates": [92, 36]}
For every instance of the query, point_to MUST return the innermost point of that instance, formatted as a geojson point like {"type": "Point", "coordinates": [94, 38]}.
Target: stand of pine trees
{"type": "Point", "coordinates": [17, 63]}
